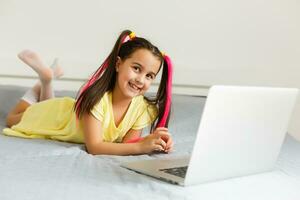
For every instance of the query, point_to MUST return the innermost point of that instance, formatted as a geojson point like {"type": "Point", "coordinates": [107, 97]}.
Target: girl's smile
{"type": "Point", "coordinates": [134, 87]}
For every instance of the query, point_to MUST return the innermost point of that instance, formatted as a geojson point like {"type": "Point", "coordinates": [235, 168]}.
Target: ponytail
{"type": "Point", "coordinates": [168, 92]}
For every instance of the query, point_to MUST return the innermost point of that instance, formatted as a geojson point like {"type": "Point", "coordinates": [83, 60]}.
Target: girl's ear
{"type": "Point", "coordinates": [118, 63]}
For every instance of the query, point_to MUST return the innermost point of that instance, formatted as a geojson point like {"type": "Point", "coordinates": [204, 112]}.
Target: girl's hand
{"type": "Point", "coordinates": [159, 140]}
{"type": "Point", "coordinates": [168, 140]}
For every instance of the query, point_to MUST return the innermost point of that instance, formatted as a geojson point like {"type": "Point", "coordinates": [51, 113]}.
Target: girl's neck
{"type": "Point", "coordinates": [118, 99]}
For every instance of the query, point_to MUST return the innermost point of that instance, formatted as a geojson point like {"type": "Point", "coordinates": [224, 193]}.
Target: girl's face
{"type": "Point", "coordinates": [136, 73]}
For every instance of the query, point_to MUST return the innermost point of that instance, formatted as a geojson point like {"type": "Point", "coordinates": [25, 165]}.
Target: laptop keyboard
{"type": "Point", "coordinates": [177, 171]}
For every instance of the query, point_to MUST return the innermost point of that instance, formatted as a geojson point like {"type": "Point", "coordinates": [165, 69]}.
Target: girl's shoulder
{"type": "Point", "coordinates": [101, 107]}
{"type": "Point", "coordinates": [144, 104]}
{"type": "Point", "coordinates": [141, 101]}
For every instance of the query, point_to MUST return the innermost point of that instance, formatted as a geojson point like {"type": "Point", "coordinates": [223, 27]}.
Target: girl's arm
{"type": "Point", "coordinates": [94, 142]}
{"type": "Point", "coordinates": [132, 134]}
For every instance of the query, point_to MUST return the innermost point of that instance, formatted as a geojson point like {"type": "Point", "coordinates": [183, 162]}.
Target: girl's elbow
{"type": "Point", "coordinates": [92, 149]}
{"type": "Point", "coordinates": [98, 148]}
{"type": "Point", "coordinates": [92, 152]}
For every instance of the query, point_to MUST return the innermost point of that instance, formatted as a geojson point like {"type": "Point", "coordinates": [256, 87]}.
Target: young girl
{"type": "Point", "coordinates": [110, 110]}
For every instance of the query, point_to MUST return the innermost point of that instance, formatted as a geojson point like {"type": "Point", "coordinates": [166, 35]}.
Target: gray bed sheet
{"type": "Point", "coordinates": [43, 169]}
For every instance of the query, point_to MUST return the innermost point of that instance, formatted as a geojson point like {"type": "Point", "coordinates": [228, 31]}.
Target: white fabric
{"type": "Point", "coordinates": [30, 97]}
{"type": "Point", "coordinates": [43, 169]}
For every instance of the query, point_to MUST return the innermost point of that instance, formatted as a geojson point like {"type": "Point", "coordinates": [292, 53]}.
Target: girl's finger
{"type": "Point", "coordinates": [161, 133]}
{"type": "Point", "coordinates": [165, 128]}
{"type": "Point", "coordinates": [161, 129]}
{"type": "Point", "coordinates": [166, 136]}
{"type": "Point", "coordinates": [161, 143]}
{"type": "Point", "coordinates": [170, 147]}
{"type": "Point", "coordinates": [169, 142]}
{"type": "Point", "coordinates": [163, 136]}
{"type": "Point", "coordinates": [158, 148]}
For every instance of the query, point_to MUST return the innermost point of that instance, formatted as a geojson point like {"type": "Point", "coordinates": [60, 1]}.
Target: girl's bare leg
{"type": "Point", "coordinates": [15, 115]}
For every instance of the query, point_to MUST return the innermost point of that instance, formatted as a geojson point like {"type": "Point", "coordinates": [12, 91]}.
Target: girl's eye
{"type": "Point", "coordinates": [149, 76]}
{"type": "Point", "coordinates": [137, 69]}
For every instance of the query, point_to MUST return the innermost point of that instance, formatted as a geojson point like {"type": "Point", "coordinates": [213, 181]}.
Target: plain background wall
{"type": "Point", "coordinates": [211, 42]}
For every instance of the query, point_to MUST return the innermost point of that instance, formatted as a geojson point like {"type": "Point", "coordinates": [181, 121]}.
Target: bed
{"type": "Point", "coordinates": [44, 169]}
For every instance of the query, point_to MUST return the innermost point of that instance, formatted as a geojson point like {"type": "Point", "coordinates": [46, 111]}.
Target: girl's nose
{"type": "Point", "coordinates": [139, 80]}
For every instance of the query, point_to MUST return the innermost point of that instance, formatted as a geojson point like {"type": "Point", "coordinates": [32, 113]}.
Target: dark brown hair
{"type": "Point", "coordinates": [104, 78]}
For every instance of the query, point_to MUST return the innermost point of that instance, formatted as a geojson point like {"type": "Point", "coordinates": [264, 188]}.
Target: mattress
{"type": "Point", "coordinates": [44, 169]}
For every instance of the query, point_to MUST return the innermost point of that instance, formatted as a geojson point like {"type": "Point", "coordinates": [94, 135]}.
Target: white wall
{"type": "Point", "coordinates": [211, 42]}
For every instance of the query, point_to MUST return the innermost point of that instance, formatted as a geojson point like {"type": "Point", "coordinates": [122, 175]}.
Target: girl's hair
{"type": "Point", "coordinates": [104, 79]}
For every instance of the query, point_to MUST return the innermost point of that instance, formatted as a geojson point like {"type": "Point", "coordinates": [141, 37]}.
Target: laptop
{"type": "Point", "coordinates": [240, 133]}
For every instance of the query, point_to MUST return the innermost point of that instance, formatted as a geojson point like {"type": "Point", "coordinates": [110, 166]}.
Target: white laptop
{"type": "Point", "coordinates": [240, 133]}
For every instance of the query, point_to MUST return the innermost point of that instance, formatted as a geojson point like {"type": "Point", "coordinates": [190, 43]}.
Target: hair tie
{"type": "Point", "coordinates": [128, 37]}
{"type": "Point", "coordinates": [132, 35]}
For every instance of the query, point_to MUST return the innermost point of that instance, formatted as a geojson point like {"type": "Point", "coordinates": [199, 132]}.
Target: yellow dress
{"type": "Point", "coordinates": [55, 119]}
